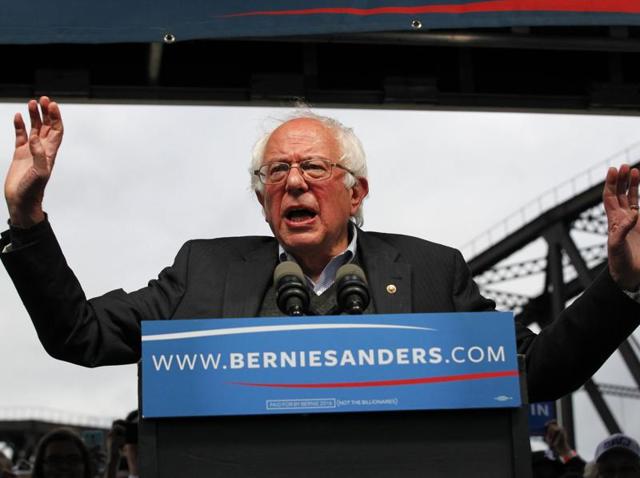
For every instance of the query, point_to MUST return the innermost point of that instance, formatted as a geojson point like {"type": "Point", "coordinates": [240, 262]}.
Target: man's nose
{"type": "Point", "coordinates": [295, 179]}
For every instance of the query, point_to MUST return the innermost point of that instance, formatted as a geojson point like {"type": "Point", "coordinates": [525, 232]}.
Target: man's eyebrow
{"type": "Point", "coordinates": [283, 159]}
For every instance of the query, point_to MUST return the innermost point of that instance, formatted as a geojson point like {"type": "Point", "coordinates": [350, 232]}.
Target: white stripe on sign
{"type": "Point", "coordinates": [273, 328]}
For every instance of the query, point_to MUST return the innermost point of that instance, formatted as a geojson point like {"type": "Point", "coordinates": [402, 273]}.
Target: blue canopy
{"type": "Point", "coordinates": [81, 21]}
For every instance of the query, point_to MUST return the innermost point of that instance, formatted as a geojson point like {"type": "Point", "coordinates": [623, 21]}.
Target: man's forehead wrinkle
{"type": "Point", "coordinates": [304, 150]}
{"type": "Point", "coordinates": [310, 138]}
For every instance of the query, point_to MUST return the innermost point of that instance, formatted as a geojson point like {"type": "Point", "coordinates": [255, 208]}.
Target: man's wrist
{"type": "Point", "coordinates": [26, 221]}
{"type": "Point", "coordinates": [17, 237]}
{"type": "Point", "coordinates": [565, 457]}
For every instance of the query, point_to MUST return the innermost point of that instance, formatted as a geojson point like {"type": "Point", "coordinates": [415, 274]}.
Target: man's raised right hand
{"type": "Point", "coordinates": [32, 162]}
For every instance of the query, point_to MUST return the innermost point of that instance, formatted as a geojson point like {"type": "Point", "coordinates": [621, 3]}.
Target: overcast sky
{"type": "Point", "coordinates": [132, 183]}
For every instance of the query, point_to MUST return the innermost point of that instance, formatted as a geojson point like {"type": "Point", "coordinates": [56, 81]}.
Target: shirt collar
{"type": "Point", "coordinates": [328, 275]}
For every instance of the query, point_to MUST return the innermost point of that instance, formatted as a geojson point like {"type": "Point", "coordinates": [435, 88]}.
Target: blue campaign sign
{"type": "Point", "coordinates": [42, 21]}
{"type": "Point", "coordinates": [539, 414]}
{"type": "Point", "coordinates": [328, 364]}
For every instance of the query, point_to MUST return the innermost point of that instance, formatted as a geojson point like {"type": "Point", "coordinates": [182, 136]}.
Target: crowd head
{"type": "Point", "coordinates": [617, 456]}
{"type": "Point", "coordinates": [62, 454]}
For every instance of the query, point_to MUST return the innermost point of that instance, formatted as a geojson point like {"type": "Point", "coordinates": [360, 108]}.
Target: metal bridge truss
{"type": "Point", "coordinates": [619, 390]}
{"type": "Point", "coordinates": [565, 271]}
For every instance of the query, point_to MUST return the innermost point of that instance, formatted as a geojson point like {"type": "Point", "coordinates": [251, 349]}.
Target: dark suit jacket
{"type": "Point", "coordinates": [228, 277]}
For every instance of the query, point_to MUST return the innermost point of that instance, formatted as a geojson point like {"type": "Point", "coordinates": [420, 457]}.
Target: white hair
{"type": "Point", "coordinates": [351, 150]}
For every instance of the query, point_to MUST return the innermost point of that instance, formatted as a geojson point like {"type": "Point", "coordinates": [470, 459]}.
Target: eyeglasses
{"type": "Point", "coordinates": [312, 169]}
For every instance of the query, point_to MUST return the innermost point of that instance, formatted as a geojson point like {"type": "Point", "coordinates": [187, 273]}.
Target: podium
{"type": "Point", "coordinates": [436, 444]}
{"type": "Point", "coordinates": [478, 442]}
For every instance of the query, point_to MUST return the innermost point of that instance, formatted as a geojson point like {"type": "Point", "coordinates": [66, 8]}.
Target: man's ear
{"type": "Point", "coordinates": [359, 191]}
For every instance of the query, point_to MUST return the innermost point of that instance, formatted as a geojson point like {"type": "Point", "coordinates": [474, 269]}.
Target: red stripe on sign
{"type": "Point", "coordinates": [387, 383]}
{"type": "Point", "coordinates": [575, 6]}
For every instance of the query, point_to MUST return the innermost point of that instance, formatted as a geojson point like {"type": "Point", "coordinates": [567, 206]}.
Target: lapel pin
{"type": "Point", "coordinates": [391, 288]}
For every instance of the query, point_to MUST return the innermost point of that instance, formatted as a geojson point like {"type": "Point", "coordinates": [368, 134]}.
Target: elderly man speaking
{"type": "Point", "coordinates": [309, 175]}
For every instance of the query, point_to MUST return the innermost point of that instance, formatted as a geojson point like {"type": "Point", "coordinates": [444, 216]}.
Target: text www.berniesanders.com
{"type": "Point", "coordinates": [327, 358]}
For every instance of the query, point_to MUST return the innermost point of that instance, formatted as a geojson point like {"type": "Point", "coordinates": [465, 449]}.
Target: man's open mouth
{"type": "Point", "coordinates": [300, 215]}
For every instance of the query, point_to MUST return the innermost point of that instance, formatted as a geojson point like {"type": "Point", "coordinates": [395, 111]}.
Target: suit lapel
{"type": "Point", "coordinates": [389, 279]}
{"type": "Point", "coordinates": [247, 282]}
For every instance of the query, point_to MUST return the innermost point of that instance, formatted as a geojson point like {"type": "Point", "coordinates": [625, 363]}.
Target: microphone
{"type": "Point", "coordinates": [352, 289]}
{"type": "Point", "coordinates": [292, 296]}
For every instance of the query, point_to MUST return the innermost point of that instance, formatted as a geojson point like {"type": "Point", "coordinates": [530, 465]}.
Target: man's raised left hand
{"type": "Point", "coordinates": [620, 198]}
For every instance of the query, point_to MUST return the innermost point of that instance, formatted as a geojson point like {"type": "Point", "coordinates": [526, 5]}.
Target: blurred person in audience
{"type": "Point", "coordinates": [617, 457]}
{"type": "Point", "coordinates": [122, 448]}
{"type": "Point", "coordinates": [560, 460]}
{"type": "Point", "coordinates": [61, 453]}
{"type": "Point", "coordinates": [5, 466]}
{"type": "Point", "coordinates": [556, 437]}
